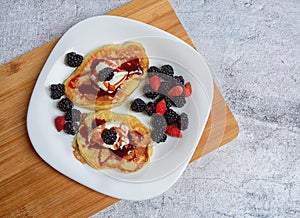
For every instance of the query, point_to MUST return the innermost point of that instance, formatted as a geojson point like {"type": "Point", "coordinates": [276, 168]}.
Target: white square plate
{"type": "Point", "coordinates": [170, 158]}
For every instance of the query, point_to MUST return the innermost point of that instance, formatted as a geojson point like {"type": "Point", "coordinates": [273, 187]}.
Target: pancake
{"type": "Point", "coordinates": [135, 144]}
{"type": "Point", "coordinates": [76, 151]}
{"type": "Point", "coordinates": [129, 63]}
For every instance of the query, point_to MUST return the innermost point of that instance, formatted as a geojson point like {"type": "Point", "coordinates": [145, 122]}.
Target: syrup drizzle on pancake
{"type": "Point", "coordinates": [128, 158]}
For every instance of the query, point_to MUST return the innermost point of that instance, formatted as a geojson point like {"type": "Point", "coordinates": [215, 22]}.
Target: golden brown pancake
{"type": "Point", "coordinates": [131, 157]}
{"type": "Point", "coordinates": [76, 151]}
{"type": "Point", "coordinates": [84, 91]}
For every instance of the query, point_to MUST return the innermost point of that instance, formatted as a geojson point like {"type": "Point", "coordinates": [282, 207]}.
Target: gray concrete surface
{"type": "Point", "coordinates": [253, 48]}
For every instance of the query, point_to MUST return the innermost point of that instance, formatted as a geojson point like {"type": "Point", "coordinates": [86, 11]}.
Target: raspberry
{"type": "Point", "coordinates": [158, 122]}
{"type": "Point", "coordinates": [138, 105]}
{"type": "Point", "coordinates": [183, 121]}
{"type": "Point", "coordinates": [71, 128]}
{"type": "Point", "coordinates": [187, 92]}
{"type": "Point", "coordinates": [175, 91]}
{"type": "Point", "coordinates": [57, 90]}
{"type": "Point", "coordinates": [109, 136]}
{"type": "Point", "coordinates": [173, 131]}
{"type": "Point", "coordinates": [154, 82]}
{"type": "Point", "coordinates": [161, 107]}
{"type": "Point", "coordinates": [59, 123]}
{"type": "Point", "coordinates": [73, 59]}
{"type": "Point", "coordinates": [106, 74]}
{"type": "Point", "coordinates": [65, 104]}
{"type": "Point", "coordinates": [169, 102]}
{"type": "Point", "coordinates": [73, 115]}
{"type": "Point", "coordinates": [171, 116]}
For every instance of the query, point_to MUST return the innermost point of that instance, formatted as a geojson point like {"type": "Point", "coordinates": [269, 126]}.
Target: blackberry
{"type": "Point", "coordinates": [73, 115]}
{"type": "Point", "coordinates": [57, 90]}
{"type": "Point", "coordinates": [138, 105]}
{"type": "Point", "coordinates": [168, 101]}
{"type": "Point", "coordinates": [183, 121]}
{"type": "Point", "coordinates": [171, 116]}
{"type": "Point", "coordinates": [73, 59]}
{"type": "Point", "coordinates": [151, 95]}
{"type": "Point", "coordinates": [149, 92]}
{"type": "Point", "coordinates": [167, 70]}
{"type": "Point", "coordinates": [65, 104]}
{"type": "Point", "coordinates": [71, 128]}
{"type": "Point", "coordinates": [158, 135]}
{"type": "Point", "coordinates": [179, 79]}
{"type": "Point", "coordinates": [109, 136]}
{"type": "Point", "coordinates": [150, 108]}
{"type": "Point", "coordinates": [158, 122]}
{"type": "Point", "coordinates": [164, 88]}
{"type": "Point", "coordinates": [179, 101]}
{"type": "Point", "coordinates": [153, 71]}
{"type": "Point", "coordinates": [106, 74]}
{"type": "Point", "coordinates": [164, 138]}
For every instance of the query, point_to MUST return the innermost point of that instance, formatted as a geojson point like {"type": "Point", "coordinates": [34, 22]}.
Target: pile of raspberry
{"type": "Point", "coordinates": [167, 92]}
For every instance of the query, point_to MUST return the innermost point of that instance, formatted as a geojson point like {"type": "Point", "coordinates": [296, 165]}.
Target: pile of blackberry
{"type": "Point", "coordinates": [72, 116]}
{"type": "Point", "coordinates": [168, 79]}
{"type": "Point", "coordinates": [70, 120]}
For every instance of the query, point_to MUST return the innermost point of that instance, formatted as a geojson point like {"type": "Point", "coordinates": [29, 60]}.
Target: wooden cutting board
{"type": "Point", "coordinates": [31, 188]}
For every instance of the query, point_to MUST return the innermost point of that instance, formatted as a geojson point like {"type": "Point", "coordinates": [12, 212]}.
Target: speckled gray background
{"type": "Point", "coordinates": [253, 48]}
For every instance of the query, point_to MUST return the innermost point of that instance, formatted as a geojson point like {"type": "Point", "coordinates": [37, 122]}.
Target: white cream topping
{"type": "Point", "coordinates": [122, 134]}
{"type": "Point", "coordinates": [101, 66]}
{"type": "Point", "coordinates": [136, 71]}
{"type": "Point", "coordinates": [111, 85]}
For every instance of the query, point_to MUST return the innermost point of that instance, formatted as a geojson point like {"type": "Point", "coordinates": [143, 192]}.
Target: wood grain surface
{"type": "Point", "coordinates": [31, 188]}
